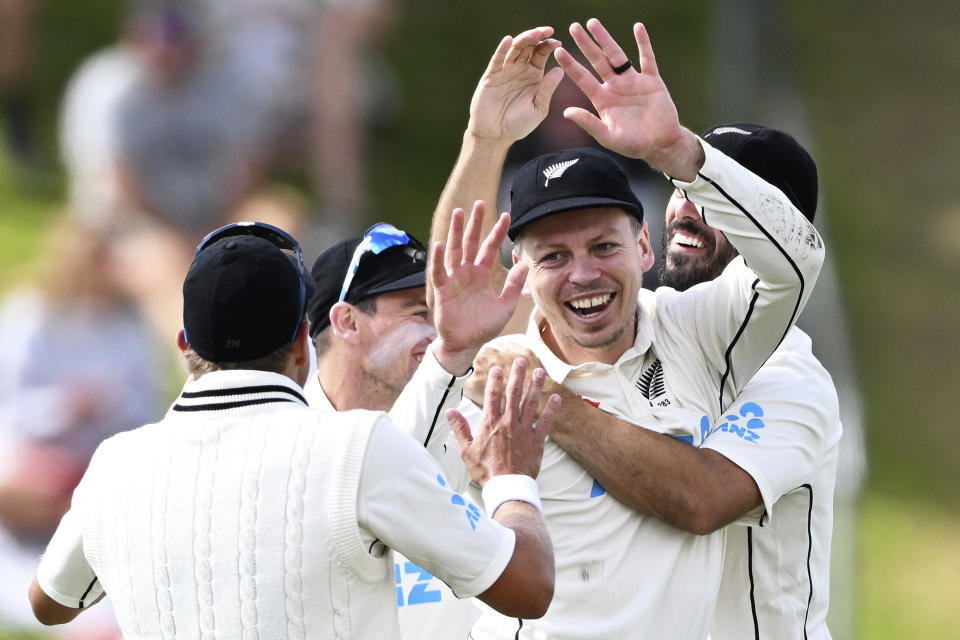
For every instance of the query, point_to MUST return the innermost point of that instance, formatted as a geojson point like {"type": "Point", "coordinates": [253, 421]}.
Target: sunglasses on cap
{"type": "Point", "coordinates": [377, 239]}
{"type": "Point", "coordinates": [275, 236]}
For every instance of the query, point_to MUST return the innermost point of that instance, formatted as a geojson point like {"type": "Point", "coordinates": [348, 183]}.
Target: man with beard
{"type": "Point", "coordinates": [664, 361]}
{"type": "Point", "coordinates": [768, 464]}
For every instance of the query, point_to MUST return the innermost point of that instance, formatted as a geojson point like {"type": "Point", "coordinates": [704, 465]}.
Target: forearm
{"type": "Point", "coordinates": [693, 489]}
{"type": "Point", "coordinates": [47, 610]}
{"type": "Point", "coordinates": [475, 176]}
{"type": "Point", "coordinates": [525, 588]}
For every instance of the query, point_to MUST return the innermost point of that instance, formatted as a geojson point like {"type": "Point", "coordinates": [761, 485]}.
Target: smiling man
{"type": "Point", "coordinates": [623, 573]}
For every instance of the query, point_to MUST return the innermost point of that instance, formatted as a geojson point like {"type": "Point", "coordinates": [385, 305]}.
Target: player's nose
{"type": "Point", "coordinates": [684, 209]}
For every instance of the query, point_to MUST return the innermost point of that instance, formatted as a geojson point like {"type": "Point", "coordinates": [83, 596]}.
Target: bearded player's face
{"type": "Point", "coordinates": [692, 251]}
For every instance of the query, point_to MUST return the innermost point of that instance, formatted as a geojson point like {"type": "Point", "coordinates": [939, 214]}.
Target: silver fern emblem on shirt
{"type": "Point", "coordinates": [556, 170]}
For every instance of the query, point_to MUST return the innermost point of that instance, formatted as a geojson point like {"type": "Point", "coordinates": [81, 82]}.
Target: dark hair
{"type": "Point", "coordinates": [322, 341]}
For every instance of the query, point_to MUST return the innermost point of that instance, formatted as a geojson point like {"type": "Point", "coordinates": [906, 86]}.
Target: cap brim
{"type": "Point", "coordinates": [568, 204]}
{"type": "Point", "coordinates": [418, 279]}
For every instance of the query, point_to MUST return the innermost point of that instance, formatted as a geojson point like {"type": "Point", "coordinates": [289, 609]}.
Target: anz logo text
{"type": "Point", "coordinates": [745, 424]}
{"type": "Point", "coordinates": [418, 593]}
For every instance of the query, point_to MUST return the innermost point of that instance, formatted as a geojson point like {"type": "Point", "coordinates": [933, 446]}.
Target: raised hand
{"type": "Point", "coordinates": [636, 115]}
{"type": "Point", "coordinates": [513, 95]}
{"type": "Point", "coordinates": [469, 310]}
{"type": "Point", "coordinates": [507, 441]}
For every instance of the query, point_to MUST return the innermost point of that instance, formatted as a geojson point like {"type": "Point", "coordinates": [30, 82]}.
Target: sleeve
{"type": "Point", "coordinates": [406, 501]}
{"type": "Point", "coordinates": [421, 408]}
{"type": "Point", "coordinates": [780, 430]}
{"type": "Point", "coordinates": [64, 573]}
{"type": "Point", "coordinates": [742, 316]}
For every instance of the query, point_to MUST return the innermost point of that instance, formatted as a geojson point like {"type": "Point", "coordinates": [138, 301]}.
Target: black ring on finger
{"type": "Point", "coordinates": [626, 65]}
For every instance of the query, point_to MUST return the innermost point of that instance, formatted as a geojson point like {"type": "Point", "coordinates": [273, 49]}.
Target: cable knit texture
{"type": "Point", "coordinates": [236, 518]}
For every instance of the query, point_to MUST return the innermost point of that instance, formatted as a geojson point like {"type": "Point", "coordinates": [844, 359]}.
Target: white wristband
{"type": "Point", "coordinates": [500, 489]}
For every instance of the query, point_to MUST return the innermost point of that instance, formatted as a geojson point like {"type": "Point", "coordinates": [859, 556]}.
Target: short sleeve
{"type": "Point", "coordinates": [64, 573]}
{"type": "Point", "coordinates": [781, 428]}
{"type": "Point", "coordinates": [408, 503]}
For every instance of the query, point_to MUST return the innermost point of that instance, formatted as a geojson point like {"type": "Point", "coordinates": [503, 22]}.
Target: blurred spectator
{"type": "Point", "coordinates": [311, 70]}
{"type": "Point", "coordinates": [345, 32]}
{"type": "Point", "coordinates": [77, 365]}
{"type": "Point", "coordinates": [88, 128]}
{"type": "Point", "coordinates": [190, 147]}
{"type": "Point", "coordinates": [17, 30]}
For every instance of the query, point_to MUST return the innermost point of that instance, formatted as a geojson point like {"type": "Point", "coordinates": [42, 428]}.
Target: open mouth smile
{"type": "Point", "coordinates": [591, 305]}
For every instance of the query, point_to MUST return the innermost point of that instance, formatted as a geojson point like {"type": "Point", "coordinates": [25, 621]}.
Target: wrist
{"type": "Point", "coordinates": [490, 145]}
{"type": "Point", "coordinates": [507, 487]}
{"type": "Point", "coordinates": [457, 362]}
{"type": "Point", "coordinates": [681, 159]}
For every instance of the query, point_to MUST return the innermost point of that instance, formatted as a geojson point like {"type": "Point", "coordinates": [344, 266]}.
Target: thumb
{"type": "Point", "coordinates": [586, 121]}
{"type": "Point", "coordinates": [548, 85]}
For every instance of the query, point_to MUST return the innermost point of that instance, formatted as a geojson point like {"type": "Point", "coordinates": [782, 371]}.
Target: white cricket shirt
{"type": "Point", "coordinates": [621, 574]}
{"type": "Point", "coordinates": [244, 514]}
{"type": "Point", "coordinates": [784, 430]}
{"type": "Point", "coordinates": [427, 607]}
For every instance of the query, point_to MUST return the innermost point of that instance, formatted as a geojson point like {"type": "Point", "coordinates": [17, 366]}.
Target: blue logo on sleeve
{"type": "Point", "coordinates": [473, 513]}
{"type": "Point", "coordinates": [419, 593]}
{"type": "Point", "coordinates": [731, 423]}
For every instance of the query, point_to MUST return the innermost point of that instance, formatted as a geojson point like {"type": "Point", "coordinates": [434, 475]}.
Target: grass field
{"type": "Point", "coordinates": [883, 91]}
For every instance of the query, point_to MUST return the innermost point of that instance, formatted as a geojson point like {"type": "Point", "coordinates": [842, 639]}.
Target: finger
{"type": "Point", "coordinates": [514, 392]}
{"type": "Point", "coordinates": [471, 240]}
{"type": "Point", "coordinates": [550, 410]}
{"type": "Point", "coordinates": [541, 52]}
{"type": "Point", "coordinates": [438, 275]}
{"type": "Point", "coordinates": [581, 77]}
{"type": "Point", "coordinates": [587, 121]}
{"type": "Point", "coordinates": [493, 393]}
{"type": "Point", "coordinates": [648, 62]}
{"type": "Point", "coordinates": [499, 56]}
{"type": "Point", "coordinates": [531, 401]}
{"type": "Point", "coordinates": [460, 428]}
{"type": "Point", "coordinates": [513, 285]}
{"type": "Point", "coordinates": [547, 87]}
{"type": "Point", "coordinates": [523, 45]}
{"type": "Point", "coordinates": [591, 51]}
{"type": "Point", "coordinates": [454, 253]}
{"type": "Point", "coordinates": [614, 53]}
{"type": "Point", "coordinates": [490, 250]}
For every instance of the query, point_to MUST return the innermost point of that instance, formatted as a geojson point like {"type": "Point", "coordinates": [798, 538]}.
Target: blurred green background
{"type": "Point", "coordinates": [879, 88]}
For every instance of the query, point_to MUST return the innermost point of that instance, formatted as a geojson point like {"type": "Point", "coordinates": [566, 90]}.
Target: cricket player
{"type": "Point", "coordinates": [244, 513]}
{"type": "Point", "coordinates": [577, 224]}
{"type": "Point", "coordinates": [372, 331]}
{"type": "Point", "coordinates": [769, 463]}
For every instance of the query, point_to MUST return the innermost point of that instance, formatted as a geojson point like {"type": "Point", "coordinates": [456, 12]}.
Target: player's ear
{"type": "Point", "coordinates": [345, 320]}
{"type": "Point", "coordinates": [301, 345]}
{"type": "Point", "coordinates": [647, 258]}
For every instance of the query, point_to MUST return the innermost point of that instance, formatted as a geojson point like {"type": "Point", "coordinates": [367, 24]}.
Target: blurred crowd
{"type": "Point", "coordinates": [189, 120]}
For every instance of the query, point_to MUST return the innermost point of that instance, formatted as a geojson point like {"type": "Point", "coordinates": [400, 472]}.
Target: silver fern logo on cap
{"type": "Point", "coordinates": [556, 170]}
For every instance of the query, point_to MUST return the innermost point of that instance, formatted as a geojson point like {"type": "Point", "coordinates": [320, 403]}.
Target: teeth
{"type": "Point", "coordinates": [588, 303]}
{"type": "Point", "coordinates": [690, 241]}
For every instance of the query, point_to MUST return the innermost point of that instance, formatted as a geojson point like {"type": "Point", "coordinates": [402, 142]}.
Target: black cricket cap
{"type": "Point", "coordinates": [773, 155]}
{"type": "Point", "coordinates": [581, 178]}
{"type": "Point", "coordinates": [241, 299]}
{"type": "Point", "coordinates": [393, 269]}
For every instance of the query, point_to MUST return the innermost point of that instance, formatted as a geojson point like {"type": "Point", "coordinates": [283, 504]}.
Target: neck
{"type": "Point", "coordinates": [347, 388]}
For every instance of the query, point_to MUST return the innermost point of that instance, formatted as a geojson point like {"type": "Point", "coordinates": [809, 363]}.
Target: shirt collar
{"type": "Point", "coordinates": [235, 390]}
